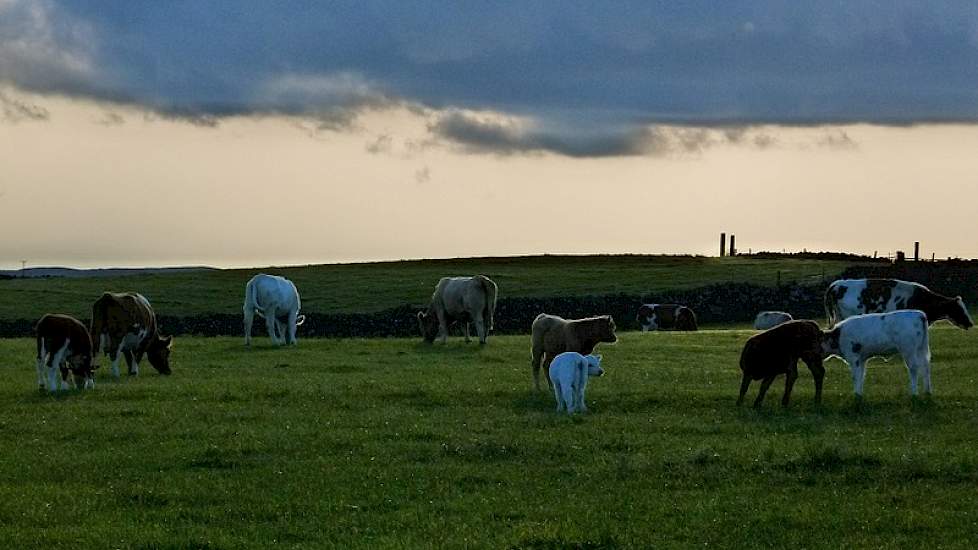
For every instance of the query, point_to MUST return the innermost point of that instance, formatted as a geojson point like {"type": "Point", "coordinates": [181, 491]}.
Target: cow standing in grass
{"type": "Point", "coordinates": [124, 326]}
{"type": "Point", "coordinates": [569, 373]}
{"type": "Point", "coordinates": [847, 297]}
{"type": "Point", "coordinates": [776, 351]}
{"type": "Point", "coordinates": [63, 346]}
{"type": "Point", "coordinates": [552, 335]}
{"type": "Point", "coordinates": [462, 299]}
{"type": "Point", "coordinates": [862, 337]}
{"type": "Point", "coordinates": [277, 300]}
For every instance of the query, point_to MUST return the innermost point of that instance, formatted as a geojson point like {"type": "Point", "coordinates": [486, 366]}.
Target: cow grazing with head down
{"type": "Point", "coordinates": [462, 299]}
{"type": "Point", "coordinates": [862, 337]}
{"type": "Point", "coordinates": [665, 317]}
{"type": "Point", "coordinates": [777, 351]}
{"type": "Point", "coordinates": [847, 297]}
{"type": "Point", "coordinates": [552, 335]}
{"type": "Point", "coordinates": [63, 346]}
{"type": "Point", "coordinates": [124, 325]}
{"type": "Point", "coordinates": [770, 319]}
{"type": "Point", "coordinates": [277, 300]}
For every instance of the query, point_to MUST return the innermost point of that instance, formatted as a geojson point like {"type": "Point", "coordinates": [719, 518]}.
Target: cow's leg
{"type": "Point", "coordinates": [442, 325]}
{"type": "Point", "coordinates": [42, 353]}
{"type": "Point", "coordinates": [293, 317]}
{"type": "Point", "coordinates": [567, 394]}
{"type": "Point", "coordinates": [270, 326]}
{"type": "Point", "coordinates": [789, 382]}
{"type": "Point", "coordinates": [858, 368]}
{"type": "Point", "coordinates": [559, 397]}
{"type": "Point", "coordinates": [925, 374]}
{"type": "Point", "coordinates": [744, 384]}
{"type": "Point", "coordinates": [249, 318]}
{"type": "Point", "coordinates": [480, 327]}
{"type": "Point", "coordinates": [765, 384]}
{"type": "Point", "coordinates": [131, 363]}
{"type": "Point", "coordinates": [546, 369]}
{"type": "Point", "coordinates": [535, 363]}
{"type": "Point", "coordinates": [818, 374]}
{"type": "Point", "coordinates": [579, 394]}
{"type": "Point", "coordinates": [55, 360]}
{"type": "Point", "coordinates": [115, 355]}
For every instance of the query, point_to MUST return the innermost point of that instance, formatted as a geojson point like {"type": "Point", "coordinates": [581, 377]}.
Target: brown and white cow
{"type": "Point", "coordinates": [462, 299]}
{"type": "Point", "coordinates": [63, 345]}
{"type": "Point", "coordinates": [665, 317]}
{"type": "Point", "coordinates": [847, 297]}
{"type": "Point", "coordinates": [124, 325]}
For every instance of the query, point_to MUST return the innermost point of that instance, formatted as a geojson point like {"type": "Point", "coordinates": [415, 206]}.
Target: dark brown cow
{"type": "Point", "coordinates": [124, 325]}
{"type": "Point", "coordinates": [666, 317]}
{"type": "Point", "coordinates": [63, 345]}
{"type": "Point", "coordinates": [552, 335]}
{"type": "Point", "coordinates": [777, 351]}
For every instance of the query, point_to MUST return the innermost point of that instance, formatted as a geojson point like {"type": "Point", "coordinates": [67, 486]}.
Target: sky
{"type": "Point", "coordinates": [257, 133]}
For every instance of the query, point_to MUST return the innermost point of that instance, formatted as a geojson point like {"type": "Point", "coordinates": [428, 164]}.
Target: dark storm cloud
{"type": "Point", "coordinates": [569, 67]}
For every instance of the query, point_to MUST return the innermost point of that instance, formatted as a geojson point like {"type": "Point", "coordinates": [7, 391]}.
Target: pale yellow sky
{"type": "Point", "coordinates": [102, 185]}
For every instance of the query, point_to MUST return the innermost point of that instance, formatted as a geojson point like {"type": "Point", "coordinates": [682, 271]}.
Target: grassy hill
{"type": "Point", "coordinates": [386, 443]}
{"type": "Point", "coordinates": [369, 287]}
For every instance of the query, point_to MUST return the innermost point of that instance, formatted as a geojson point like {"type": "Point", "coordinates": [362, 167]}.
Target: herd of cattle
{"type": "Point", "coordinates": [867, 318]}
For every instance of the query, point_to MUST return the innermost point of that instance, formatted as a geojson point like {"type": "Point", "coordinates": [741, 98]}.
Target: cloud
{"type": "Point", "coordinates": [16, 110]}
{"type": "Point", "coordinates": [422, 175]}
{"type": "Point", "coordinates": [589, 79]}
{"type": "Point", "coordinates": [839, 140]}
{"type": "Point", "coordinates": [383, 144]}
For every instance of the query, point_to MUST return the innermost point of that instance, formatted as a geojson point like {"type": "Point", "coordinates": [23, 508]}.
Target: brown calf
{"type": "Point", "coordinates": [552, 335]}
{"type": "Point", "coordinates": [777, 351]}
{"type": "Point", "coordinates": [63, 345]}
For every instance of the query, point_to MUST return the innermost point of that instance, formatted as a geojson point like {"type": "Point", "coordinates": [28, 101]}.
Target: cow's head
{"type": "Point", "coordinates": [428, 324]}
{"type": "Point", "coordinates": [594, 365]}
{"type": "Point", "coordinates": [603, 328]}
{"type": "Point", "coordinates": [956, 312]}
{"type": "Point", "coordinates": [159, 354]}
{"type": "Point", "coordinates": [83, 370]}
{"type": "Point", "coordinates": [830, 342]}
{"type": "Point", "coordinates": [646, 316]}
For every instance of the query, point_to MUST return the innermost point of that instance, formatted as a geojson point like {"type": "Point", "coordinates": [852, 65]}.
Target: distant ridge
{"type": "Point", "coordinates": [69, 272]}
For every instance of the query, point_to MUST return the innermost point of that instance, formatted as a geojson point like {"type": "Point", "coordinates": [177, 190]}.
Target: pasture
{"type": "Point", "coordinates": [370, 287]}
{"type": "Point", "coordinates": [388, 443]}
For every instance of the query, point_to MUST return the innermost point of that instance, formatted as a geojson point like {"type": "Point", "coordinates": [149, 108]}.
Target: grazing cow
{"type": "Point", "coordinates": [552, 335]}
{"type": "Point", "coordinates": [862, 337]}
{"type": "Point", "coordinates": [770, 319]}
{"type": "Point", "coordinates": [63, 345]}
{"type": "Point", "coordinates": [569, 372]}
{"type": "Point", "coordinates": [847, 297]}
{"type": "Point", "coordinates": [665, 317]}
{"type": "Point", "coordinates": [462, 299]}
{"type": "Point", "coordinates": [124, 325]}
{"type": "Point", "coordinates": [777, 351]}
{"type": "Point", "coordinates": [277, 300]}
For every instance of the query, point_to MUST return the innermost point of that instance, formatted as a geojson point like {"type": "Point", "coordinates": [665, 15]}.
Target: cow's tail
{"type": "Point", "coordinates": [924, 351]}
{"type": "Point", "coordinates": [831, 308]}
{"type": "Point", "coordinates": [490, 289]}
{"type": "Point", "coordinates": [251, 300]}
{"type": "Point", "coordinates": [99, 323]}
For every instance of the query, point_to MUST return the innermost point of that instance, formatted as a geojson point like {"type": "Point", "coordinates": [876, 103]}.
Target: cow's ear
{"type": "Point", "coordinates": [421, 315]}
{"type": "Point", "coordinates": [598, 357]}
{"type": "Point", "coordinates": [168, 341]}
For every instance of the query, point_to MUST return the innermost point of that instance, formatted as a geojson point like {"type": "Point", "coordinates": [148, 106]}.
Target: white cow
{"type": "Point", "coordinates": [569, 372]}
{"type": "Point", "coordinates": [277, 300]}
{"type": "Point", "coordinates": [862, 337]}
{"type": "Point", "coordinates": [770, 319]}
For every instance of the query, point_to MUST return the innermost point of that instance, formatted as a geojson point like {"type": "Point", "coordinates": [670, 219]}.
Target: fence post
{"type": "Point", "coordinates": [723, 244]}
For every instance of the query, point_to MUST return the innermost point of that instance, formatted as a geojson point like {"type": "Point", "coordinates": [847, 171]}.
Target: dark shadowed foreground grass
{"type": "Point", "coordinates": [387, 443]}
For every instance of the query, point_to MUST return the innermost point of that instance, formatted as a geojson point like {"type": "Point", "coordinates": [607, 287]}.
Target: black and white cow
{"type": "Point", "coordinates": [847, 297]}
{"type": "Point", "coordinates": [665, 317]}
{"type": "Point", "coordinates": [862, 337]}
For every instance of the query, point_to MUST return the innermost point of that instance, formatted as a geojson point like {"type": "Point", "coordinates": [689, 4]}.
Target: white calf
{"type": "Point", "coordinates": [862, 337]}
{"type": "Point", "coordinates": [770, 319]}
{"type": "Point", "coordinates": [569, 372]}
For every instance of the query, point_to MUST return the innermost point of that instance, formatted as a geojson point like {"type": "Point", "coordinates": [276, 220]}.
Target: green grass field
{"type": "Point", "coordinates": [377, 286]}
{"type": "Point", "coordinates": [390, 444]}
